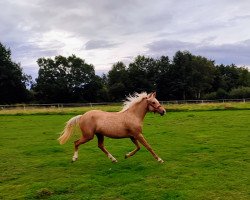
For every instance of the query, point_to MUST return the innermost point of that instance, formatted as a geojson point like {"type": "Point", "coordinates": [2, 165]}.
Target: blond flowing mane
{"type": "Point", "coordinates": [132, 100]}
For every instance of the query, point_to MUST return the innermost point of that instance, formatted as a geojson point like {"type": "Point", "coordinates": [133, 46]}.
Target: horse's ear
{"type": "Point", "coordinates": [150, 95]}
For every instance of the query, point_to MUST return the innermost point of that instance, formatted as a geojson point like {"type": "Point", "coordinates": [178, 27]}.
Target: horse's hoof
{"type": "Point", "coordinates": [74, 159]}
{"type": "Point", "coordinates": [114, 161]}
{"type": "Point", "coordinates": [126, 156]}
{"type": "Point", "coordinates": [160, 160]}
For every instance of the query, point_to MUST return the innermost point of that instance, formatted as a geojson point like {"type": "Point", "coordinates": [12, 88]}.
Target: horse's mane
{"type": "Point", "coordinates": [132, 100]}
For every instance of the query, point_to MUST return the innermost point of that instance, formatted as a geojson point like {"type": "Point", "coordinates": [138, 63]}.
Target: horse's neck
{"type": "Point", "coordinates": [139, 109]}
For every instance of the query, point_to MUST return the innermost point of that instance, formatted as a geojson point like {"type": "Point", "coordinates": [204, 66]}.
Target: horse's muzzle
{"type": "Point", "coordinates": [162, 112]}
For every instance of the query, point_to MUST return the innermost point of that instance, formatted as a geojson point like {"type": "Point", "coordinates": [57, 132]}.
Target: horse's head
{"type": "Point", "coordinates": [154, 105]}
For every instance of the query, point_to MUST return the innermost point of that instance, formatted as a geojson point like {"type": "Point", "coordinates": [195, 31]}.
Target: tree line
{"type": "Point", "coordinates": [71, 79]}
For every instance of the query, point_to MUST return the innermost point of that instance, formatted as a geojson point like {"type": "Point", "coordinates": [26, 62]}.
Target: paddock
{"type": "Point", "coordinates": [206, 156]}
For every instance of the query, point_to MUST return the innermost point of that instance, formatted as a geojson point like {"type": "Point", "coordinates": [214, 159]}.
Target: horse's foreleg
{"type": "Point", "coordinates": [144, 142]}
{"type": "Point", "coordinates": [82, 140]}
{"type": "Point", "coordinates": [134, 151]}
{"type": "Point", "coordinates": [101, 146]}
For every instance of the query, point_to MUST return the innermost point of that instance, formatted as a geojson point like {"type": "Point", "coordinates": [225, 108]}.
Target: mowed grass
{"type": "Point", "coordinates": [206, 157]}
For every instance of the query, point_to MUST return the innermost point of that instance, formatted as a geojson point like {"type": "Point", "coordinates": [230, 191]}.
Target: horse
{"type": "Point", "coordinates": [126, 123]}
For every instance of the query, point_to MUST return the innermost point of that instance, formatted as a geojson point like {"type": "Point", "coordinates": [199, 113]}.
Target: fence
{"type": "Point", "coordinates": [53, 105]}
{"type": "Point", "coordinates": [205, 101]}
{"type": "Point", "coordinates": [62, 105]}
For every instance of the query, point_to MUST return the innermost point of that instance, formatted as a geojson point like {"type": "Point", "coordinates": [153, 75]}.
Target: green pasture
{"type": "Point", "coordinates": [206, 157]}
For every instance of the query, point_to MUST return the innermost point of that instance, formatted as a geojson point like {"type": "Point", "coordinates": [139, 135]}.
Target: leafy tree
{"type": "Point", "coordinates": [201, 76]}
{"type": "Point", "coordinates": [162, 78]}
{"type": "Point", "coordinates": [12, 79]}
{"type": "Point", "coordinates": [52, 84]}
{"type": "Point", "coordinates": [66, 80]}
{"type": "Point", "coordinates": [117, 81]}
{"type": "Point", "coordinates": [241, 92]}
{"type": "Point", "coordinates": [142, 73]}
{"type": "Point", "coordinates": [191, 76]}
{"type": "Point", "coordinates": [96, 90]}
{"type": "Point", "coordinates": [180, 75]}
{"type": "Point", "coordinates": [227, 77]}
{"type": "Point", "coordinates": [244, 77]}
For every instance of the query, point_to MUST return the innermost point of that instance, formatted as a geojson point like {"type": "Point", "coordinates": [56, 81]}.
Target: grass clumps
{"type": "Point", "coordinates": [43, 193]}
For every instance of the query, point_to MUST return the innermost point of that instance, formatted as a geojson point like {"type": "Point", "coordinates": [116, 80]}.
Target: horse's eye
{"type": "Point", "coordinates": [153, 103]}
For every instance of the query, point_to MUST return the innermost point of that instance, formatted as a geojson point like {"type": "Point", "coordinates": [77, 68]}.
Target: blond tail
{"type": "Point", "coordinates": [69, 129]}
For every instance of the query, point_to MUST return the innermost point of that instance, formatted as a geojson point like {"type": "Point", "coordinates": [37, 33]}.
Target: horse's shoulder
{"type": "Point", "coordinates": [133, 124]}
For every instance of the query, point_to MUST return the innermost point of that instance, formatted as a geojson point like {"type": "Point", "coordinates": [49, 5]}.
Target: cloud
{"type": "Point", "coordinates": [99, 44]}
{"type": "Point", "coordinates": [163, 47]}
{"type": "Point", "coordinates": [237, 53]}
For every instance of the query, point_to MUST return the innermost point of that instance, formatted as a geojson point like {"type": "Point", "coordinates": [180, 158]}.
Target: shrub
{"type": "Point", "coordinates": [242, 92]}
{"type": "Point", "coordinates": [210, 96]}
{"type": "Point", "coordinates": [221, 94]}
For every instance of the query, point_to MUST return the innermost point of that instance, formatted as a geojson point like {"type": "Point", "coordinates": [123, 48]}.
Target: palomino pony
{"type": "Point", "coordinates": [124, 124]}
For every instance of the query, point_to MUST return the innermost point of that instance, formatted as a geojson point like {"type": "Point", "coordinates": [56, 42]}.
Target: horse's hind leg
{"type": "Point", "coordinates": [101, 146]}
{"type": "Point", "coordinates": [82, 140]}
{"type": "Point", "coordinates": [134, 151]}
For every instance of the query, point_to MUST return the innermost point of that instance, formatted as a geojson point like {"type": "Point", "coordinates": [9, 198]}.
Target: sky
{"type": "Point", "coordinates": [103, 32]}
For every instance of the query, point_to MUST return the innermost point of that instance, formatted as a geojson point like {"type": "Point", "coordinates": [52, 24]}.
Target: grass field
{"type": "Point", "coordinates": [206, 157]}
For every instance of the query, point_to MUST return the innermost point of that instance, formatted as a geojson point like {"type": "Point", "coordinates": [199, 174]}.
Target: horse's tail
{"type": "Point", "coordinates": [69, 129]}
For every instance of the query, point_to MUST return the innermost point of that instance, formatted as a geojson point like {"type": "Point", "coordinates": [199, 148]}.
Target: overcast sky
{"type": "Point", "coordinates": [106, 31]}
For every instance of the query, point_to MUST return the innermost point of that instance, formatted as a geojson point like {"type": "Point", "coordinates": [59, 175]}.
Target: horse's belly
{"type": "Point", "coordinates": [112, 130]}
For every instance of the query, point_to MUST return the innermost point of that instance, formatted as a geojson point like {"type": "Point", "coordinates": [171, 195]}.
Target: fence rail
{"type": "Point", "coordinates": [62, 105]}
{"type": "Point", "coordinates": [205, 101]}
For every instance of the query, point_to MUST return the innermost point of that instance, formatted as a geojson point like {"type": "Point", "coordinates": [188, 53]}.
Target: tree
{"type": "Point", "coordinates": [201, 76]}
{"type": "Point", "coordinates": [162, 78]}
{"type": "Point", "coordinates": [244, 77]}
{"type": "Point", "coordinates": [227, 77]}
{"type": "Point", "coordinates": [180, 73]}
{"type": "Point", "coordinates": [117, 81]}
{"type": "Point", "coordinates": [191, 76]}
{"type": "Point", "coordinates": [66, 80]}
{"type": "Point", "coordinates": [12, 79]}
{"type": "Point", "coordinates": [142, 74]}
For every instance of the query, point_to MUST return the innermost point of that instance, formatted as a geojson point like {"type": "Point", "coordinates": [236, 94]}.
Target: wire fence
{"type": "Point", "coordinates": [65, 105]}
